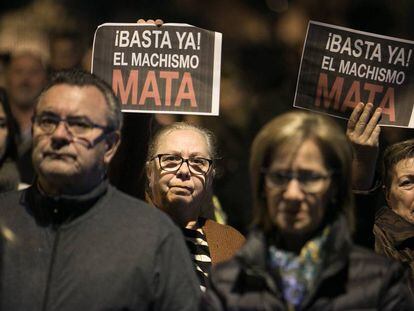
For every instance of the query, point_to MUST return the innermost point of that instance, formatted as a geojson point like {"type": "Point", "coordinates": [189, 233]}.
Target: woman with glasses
{"type": "Point", "coordinates": [300, 255]}
{"type": "Point", "coordinates": [180, 171]}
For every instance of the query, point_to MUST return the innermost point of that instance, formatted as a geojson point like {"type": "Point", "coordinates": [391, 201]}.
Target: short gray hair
{"type": "Point", "coordinates": [207, 134]}
{"type": "Point", "coordinates": [82, 78]}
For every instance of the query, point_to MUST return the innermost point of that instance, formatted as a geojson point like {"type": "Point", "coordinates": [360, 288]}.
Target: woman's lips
{"type": "Point", "coordinates": [181, 189]}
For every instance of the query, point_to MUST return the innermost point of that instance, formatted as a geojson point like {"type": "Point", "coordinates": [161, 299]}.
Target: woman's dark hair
{"type": "Point", "coordinates": [12, 129]}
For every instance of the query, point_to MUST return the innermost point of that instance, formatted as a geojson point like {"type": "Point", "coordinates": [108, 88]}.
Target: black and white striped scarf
{"type": "Point", "coordinates": [197, 244]}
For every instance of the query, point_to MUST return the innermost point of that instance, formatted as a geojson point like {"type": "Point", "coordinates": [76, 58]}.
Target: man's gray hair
{"type": "Point", "coordinates": [82, 78]}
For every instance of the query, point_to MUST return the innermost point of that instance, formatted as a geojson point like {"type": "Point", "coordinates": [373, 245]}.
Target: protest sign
{"type": "Point", "coordinates": [341, 67]}
{"type": "Point", "coordinates": [174, 68]}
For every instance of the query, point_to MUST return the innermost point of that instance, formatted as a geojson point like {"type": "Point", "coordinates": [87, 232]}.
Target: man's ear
{"type": "Point", "coordinates": [112, 143]}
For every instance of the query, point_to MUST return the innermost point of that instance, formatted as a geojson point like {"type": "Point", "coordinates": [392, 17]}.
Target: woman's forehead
{"type": "Point", "coordinates": [306, 154]}
{"type": "Point", "coordinates": [183, 140]}
{"type": "Point", "coordinates": [404, 166]}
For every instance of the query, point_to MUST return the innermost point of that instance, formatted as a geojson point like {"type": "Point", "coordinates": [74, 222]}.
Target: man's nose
{"type": "Point", "coordinates": [293, 191]}
{"type": "Point", "coordinates": [61, 132]}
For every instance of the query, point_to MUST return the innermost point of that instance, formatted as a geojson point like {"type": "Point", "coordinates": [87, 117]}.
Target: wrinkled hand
{"type": "Point", "coordinates": [363, 132]}
{"type": "Point", "coordinates": [158, 22]}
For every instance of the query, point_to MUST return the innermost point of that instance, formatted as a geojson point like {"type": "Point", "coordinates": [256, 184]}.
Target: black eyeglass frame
{"type": "Point", "coordinates": [210, 163]}
{"type": "Point", "coordinates": [294, 175]}
{"type": "Point", "coordinates": [58, 119]}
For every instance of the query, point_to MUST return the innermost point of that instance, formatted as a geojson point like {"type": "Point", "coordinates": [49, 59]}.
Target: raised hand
{"type": "Point", "coordinates": [158, 22]}
{"type": "Point", "coordinates": [363, 132]}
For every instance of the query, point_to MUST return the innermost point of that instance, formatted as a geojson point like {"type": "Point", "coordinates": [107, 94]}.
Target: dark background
{"type": "Point", "coordinates": [262, 45]}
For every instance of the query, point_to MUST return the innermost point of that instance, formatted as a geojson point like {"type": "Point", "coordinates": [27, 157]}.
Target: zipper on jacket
{"type": "Point", "coordinates": [50, 270]}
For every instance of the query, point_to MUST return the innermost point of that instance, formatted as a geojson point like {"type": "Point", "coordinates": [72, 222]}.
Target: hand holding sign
{"type": "Point", "coordinates": [362, 128]}
{"type": "Point", "coordinates": [342, 67]}
{"type": "Point", "coordinates": [158, 22]}
{"type": "Point", "coordinates": [363, 132]}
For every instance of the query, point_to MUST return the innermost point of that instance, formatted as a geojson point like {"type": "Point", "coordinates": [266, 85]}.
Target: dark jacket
{"type": "Point", "coordinates": [352, 279]}
{"type": "Point", "coordinates": [394, 238]}
{"type": "Point", "coordinates": [100, 251]}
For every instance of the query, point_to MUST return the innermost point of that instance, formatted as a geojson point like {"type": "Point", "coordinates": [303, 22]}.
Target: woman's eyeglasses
{"type": "Point", "coordinates": [309, 181]}
{"type": "Point", "coordinates": [173, 162]}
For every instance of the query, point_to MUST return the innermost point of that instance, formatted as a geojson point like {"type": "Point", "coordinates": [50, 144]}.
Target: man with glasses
{"type": "Point", "coordinates": [72, 241]}
{"type": "Point", "coordinates": [180, 173]}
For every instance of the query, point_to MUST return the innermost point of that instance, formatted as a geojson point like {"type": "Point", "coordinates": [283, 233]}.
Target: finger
{"type": "Point", "coordinates": [353, 119]}
{"type": "Point", "coordinates": [363, 119]}
{"type": "Point", "coordinates": [159, 22]}
{"type": "Point", "coordinates": [141, 21]}
{"type": "Point", "coordinates": [372, 123]}
{"type": "Point", "coordinates": [150, 21]}
{"type": "Point", "coordinates": [374, 137]}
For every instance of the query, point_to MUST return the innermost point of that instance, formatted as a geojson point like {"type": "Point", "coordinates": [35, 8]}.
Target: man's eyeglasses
{"type": "Point", "coordinates": [78, 127]}
{"type": "Point", "coordinates": [172, 163]}
{"type": "Point", "coordinates": [309, 181]}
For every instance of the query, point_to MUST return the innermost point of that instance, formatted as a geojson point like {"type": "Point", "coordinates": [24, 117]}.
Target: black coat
{"type": "Point", "coordinates": [99, 251]}
{"type": "Point", "coordinates": [352, 279]}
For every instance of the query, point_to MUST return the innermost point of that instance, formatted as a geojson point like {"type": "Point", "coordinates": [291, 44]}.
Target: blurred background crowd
{"type": "Point", "coordinates": [262, 45]}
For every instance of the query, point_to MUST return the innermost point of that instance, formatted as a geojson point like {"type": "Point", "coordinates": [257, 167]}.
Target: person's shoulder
{"type": "Point", "coordinates": [134, 210]}
{"type": "Point", "coordinates": [389, 276]}
{"type": "Point", "coordinates": [11, 196]}
{"type": "Point", "coordinates": [366, 261]}
{"type": "Point", "coordinates": [11, 204]}
{"type": "Point", "coordinates": [227, 272]}
{"type": "Point", "coordinates": [359, 253]}
{"type": "Point", "coordinates": [223, 228]}
{"type": "Point", "coordinates": [125, 199]}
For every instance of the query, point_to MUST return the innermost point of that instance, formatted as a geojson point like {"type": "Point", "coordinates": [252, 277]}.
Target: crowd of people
{"type": "Point", "coordinates": [101, 210]}
{"type": "Point", "coordinates": [72, 241]}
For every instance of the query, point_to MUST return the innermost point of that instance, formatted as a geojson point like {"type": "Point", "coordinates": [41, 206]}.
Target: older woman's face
{"type": "Point", "coordinates": [297, 190]}
{"type": "Point", "coordinates": [180, 193]}
{"type": "Point", "coordinates": [3, 131]}
{"type": "Point", "coordinates": [400, 196]}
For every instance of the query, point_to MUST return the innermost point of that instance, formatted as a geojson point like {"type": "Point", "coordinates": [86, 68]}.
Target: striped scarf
{"type": "Point", "coordinates": [197, 244]}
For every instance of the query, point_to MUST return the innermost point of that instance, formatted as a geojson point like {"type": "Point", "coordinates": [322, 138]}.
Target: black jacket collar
{"type": "Point", "coordinates": [57, 210]}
